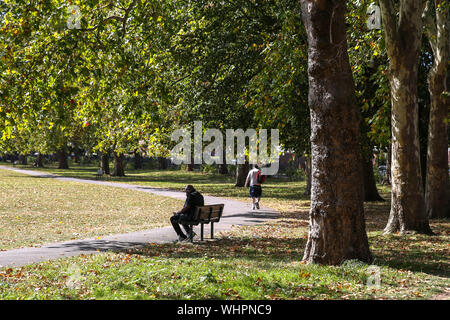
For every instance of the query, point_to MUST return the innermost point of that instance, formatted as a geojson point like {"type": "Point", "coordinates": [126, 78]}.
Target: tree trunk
{"type": "Point", "coordinates": [38, 162]}
{"type": "Point", "coordinates": [241, 174]}
{"type": "Point", "coordinates": [162, 163]}
{"type": "Point", "coordinates": [118, 165]}
{"type": "Point", "coordinates": [62, 159]}
{"type": "Point", "coordinates": [190, 166]}
{"type": "Point", "coordinates": [137, 160]}
{"type": "Point", "coordinates": [223, 168]}
{"type": "Point", "coordinates": [437, 180]}
{"type": "Point", "coordinates": [23, 159]}
{"type": "Point", "coordinates": [105, 163]}
{"type": "Point", "coordinates": [370, 185]}
{"type": "Point", "coordinates": [403, 43]}
{"type": "Point", "coordinates": [337, 227]}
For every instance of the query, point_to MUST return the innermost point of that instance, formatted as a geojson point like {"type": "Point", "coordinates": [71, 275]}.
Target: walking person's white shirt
{"type": "Point", "coordinates": [252, 180]}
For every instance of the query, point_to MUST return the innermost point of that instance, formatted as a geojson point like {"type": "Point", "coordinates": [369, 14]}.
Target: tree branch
{"type": "Point", "coordinates": [118, 18]}
{"type": "Point", "coordinates": [104, 21]}
{"type": "Point", "coordinates": [125, 17]}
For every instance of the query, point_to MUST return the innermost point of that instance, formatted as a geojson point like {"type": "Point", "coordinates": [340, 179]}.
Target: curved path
{"type": "Point", "coordinates": [235, 213]}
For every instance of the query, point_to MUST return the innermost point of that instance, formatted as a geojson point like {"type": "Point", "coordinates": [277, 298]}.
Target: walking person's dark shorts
{"type": "Point", "coordinates": [255, 191]}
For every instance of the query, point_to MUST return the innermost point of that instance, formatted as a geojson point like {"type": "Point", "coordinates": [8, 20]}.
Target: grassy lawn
{"type": "Point", "coordinates": [34, 210]}
{"type": "Point", "coordinates": [256, 262]}
{"type": "Point", "coordinates": [278, 194]}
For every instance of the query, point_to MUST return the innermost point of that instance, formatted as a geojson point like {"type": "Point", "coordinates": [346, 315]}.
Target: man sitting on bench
{"type": "Point", "coordinates": [193, 199]}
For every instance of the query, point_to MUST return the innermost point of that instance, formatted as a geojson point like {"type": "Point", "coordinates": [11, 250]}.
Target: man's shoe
{"type": "Point", "coordinates": [257, 205]}
{"type": "Point", "coordinates": [253, 207]}
{"type": "Point", "coordinates": [181, 239]}
{"type": "Point", "coordinates": [191, 236]}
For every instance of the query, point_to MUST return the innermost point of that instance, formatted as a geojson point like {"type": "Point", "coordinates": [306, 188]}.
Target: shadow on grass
{"type": "Point", "coordinates": [258, 248]}
{"type": "Point", "coordinates": [98, 245]}
{"type": "Point", "coordinates": [425, 254]}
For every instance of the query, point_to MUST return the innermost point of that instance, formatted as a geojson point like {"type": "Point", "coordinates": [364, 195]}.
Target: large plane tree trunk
{"type": "Point", "coordinates": [337, 227]}
{"type": "Point", "coordinates": [403, 43]}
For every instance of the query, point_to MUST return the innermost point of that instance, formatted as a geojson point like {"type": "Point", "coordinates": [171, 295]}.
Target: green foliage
{"type": "Point", "coordinates": [136, 70]}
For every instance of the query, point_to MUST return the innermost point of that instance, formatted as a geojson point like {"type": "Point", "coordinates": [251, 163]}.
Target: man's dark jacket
{"type": "Point", "coordinates": [194, 199]}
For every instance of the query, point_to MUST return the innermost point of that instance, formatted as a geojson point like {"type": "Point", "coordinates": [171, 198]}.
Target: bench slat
{"type": "Point", "coordinates": [207, 214]}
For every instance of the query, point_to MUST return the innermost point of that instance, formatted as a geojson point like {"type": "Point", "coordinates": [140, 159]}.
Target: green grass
{"type": "Point", "coordinates": [252, 262]}
{"type": "Point", "coordinates": [259, 262]}
{"type": "Point", "coordinates": [34, 210]}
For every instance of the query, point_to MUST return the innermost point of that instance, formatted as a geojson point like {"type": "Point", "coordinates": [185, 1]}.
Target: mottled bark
{"type": "Point", "coordinates": [437, 180]}
{"type": "Point", "coordinates": [403, 44]}
{"type": "Point", "coordinates": [337, 227]}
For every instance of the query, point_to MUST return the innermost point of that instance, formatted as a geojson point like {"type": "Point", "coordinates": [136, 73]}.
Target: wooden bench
{"type": "Point", "coordinates": [204, 215]}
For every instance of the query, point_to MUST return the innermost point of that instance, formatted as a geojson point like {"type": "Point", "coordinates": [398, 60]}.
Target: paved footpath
{"type": "Point", "coordinates": [235, 213]}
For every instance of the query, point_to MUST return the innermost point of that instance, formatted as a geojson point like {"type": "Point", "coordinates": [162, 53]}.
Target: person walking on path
{"type": "Point", "coordinates": [193, 199]}
{"type": "Point", "coordinates": [253, 180]}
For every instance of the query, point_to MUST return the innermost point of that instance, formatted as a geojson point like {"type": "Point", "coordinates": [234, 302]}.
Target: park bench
{"type": "Point", "coordinates": [204, 215]}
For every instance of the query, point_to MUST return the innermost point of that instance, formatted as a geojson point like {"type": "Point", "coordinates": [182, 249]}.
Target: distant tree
{"type": "Point", "coordinates": [403, 34]}
{"type": "Point", "coordinates": [437, 24]}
